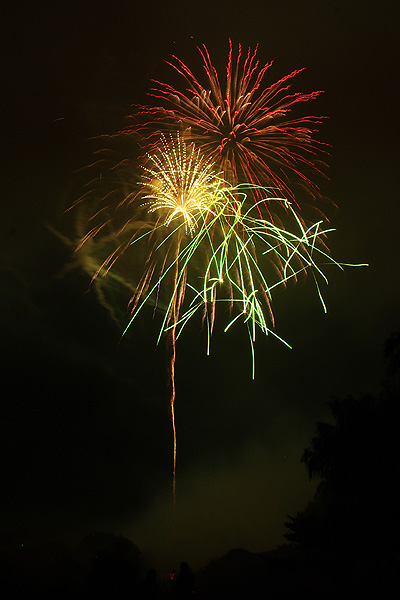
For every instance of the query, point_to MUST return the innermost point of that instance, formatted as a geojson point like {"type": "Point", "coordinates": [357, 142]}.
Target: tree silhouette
{"type": "Point", "coordinates": [115, 565]}
{"type": "Point", "coordinates": [353, 524]}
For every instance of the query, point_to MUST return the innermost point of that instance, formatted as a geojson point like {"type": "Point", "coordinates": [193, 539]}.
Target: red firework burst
{"type": "Point", "coordinates": [247, 128]}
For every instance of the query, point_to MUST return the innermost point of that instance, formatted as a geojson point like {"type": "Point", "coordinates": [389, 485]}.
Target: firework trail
{"type": "Point", "coordinates": [201, 242]}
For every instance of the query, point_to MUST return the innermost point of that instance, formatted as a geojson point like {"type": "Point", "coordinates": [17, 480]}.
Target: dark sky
{"type": "Point", "coordinates": [85, 422]}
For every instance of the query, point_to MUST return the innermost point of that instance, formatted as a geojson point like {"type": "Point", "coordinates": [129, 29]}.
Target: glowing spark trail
{"type": "Point", "coordinates": [203, 243]}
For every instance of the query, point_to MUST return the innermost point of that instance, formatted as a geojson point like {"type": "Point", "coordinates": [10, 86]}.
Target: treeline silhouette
{"type": "Point", "coordinates": [101, 566]}
{"type": "Point", "coordinates": [345, 541]}
{"type": "Point", "coordinates": [351, 530]}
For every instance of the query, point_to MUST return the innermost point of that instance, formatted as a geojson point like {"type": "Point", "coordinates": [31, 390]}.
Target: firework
{"type": "Point", "coordinates": [245, 125]}
{"type": "Point", "coordinates": [214, 215]}
{"type": "Point", "coordinates": [204, 229]}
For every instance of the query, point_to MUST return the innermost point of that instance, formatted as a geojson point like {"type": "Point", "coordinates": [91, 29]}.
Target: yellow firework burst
{"type": "Point", "coordinates": [181, 182]}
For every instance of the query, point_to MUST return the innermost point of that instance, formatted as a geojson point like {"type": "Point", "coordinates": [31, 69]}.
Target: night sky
{"type": "Point", "coordinates": [85, 420]}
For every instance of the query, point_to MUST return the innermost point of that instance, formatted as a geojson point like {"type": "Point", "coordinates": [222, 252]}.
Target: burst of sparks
{"type": "Point", "coordinates": [245, 125]}
{"type": "Point", "coordinates": [181, 182]}
{"type": "Point", "coordinates": [210, 241]}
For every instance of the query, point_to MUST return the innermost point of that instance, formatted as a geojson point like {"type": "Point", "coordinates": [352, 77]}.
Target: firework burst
{"type": "Point", "coordinates": [245, 125]}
